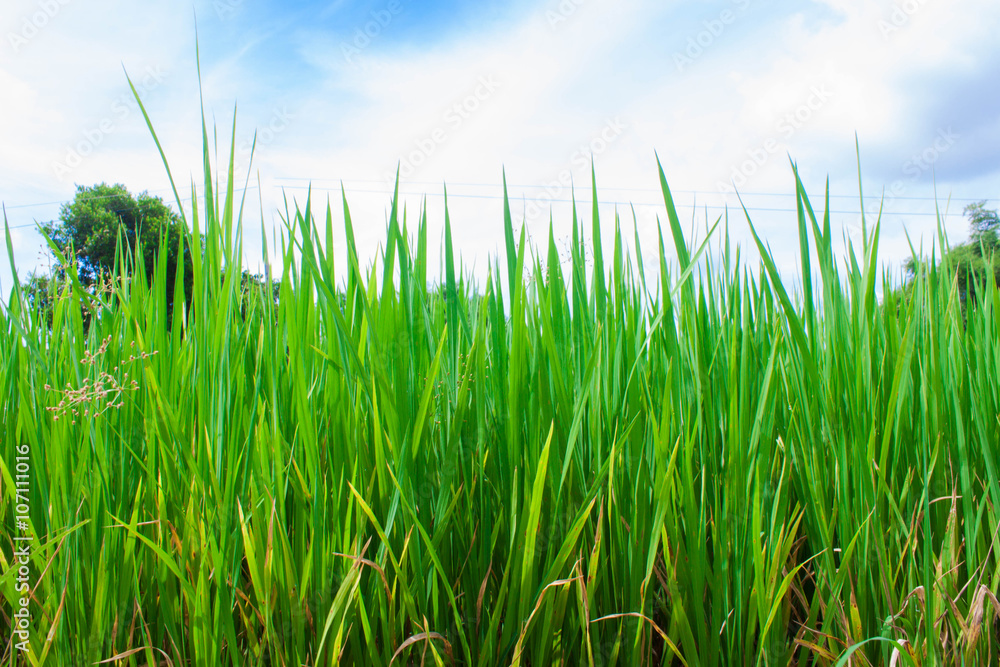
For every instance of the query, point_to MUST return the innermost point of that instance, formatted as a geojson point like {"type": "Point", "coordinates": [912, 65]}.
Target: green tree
{"type": "Point", "coordinates": [90, 227]}
{"type": "Point", "coordinates": [984, 224]}
{"type": "Point", "coordinates": [973, 262]}
{"type": "Point", "coordinates": [92, 224]}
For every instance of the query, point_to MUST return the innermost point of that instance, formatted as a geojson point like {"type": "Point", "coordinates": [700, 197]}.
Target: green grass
{"type": "Point", "coordinates": [591, 468]}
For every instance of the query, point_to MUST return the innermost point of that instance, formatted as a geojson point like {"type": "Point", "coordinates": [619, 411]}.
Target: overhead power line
{"type": "Point", "coordinates": [541, 200]}
{"type": "Point", "coordinates": [624, 204]}
{"type": "Point", "coordinates": [586, 187]}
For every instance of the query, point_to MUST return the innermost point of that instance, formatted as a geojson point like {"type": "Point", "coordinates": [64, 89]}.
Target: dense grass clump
{"type": "Point", "coordinates": [595, 468]}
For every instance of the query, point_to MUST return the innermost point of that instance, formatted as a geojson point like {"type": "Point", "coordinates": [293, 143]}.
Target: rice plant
{"type": "Point", "coordinates": [600, 467]}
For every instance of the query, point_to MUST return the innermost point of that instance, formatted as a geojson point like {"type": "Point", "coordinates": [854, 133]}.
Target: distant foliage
{"type": "Point", "coordinates": [971, 263]}
{"type": "Point", "coordinates": [101, 216]}
{"type": "Point", "coordinates": [101, 222]}
{"type": "Point", "coordinates": [984, 224]}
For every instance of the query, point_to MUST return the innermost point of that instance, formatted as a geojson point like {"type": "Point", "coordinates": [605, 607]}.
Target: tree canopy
{"type": "Point", "coordinates": [92, 222]}
{"type": "Point", "coordinates": [972, 262]}
{"type": "Point", "coordinates": [984, 224]}
{"type": "Point", "coordinates": [89, 229]}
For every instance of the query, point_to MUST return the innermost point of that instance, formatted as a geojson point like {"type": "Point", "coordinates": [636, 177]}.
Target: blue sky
{"type": "Point", "coordinates": [454, 92]}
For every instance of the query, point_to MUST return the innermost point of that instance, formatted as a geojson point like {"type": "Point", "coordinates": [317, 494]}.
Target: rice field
{"type": "Point", "coordinates": [566, 465]}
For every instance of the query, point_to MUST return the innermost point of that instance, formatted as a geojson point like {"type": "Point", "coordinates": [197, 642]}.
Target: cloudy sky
{"type": "Point", "coordinates": [455, 91]}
